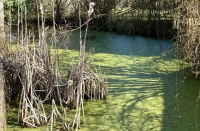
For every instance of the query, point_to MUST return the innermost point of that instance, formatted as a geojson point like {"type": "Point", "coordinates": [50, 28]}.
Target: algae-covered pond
{"type": "Point", "coordinates": [147, 88]}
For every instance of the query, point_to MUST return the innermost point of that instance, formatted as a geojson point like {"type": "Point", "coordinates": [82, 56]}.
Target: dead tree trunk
{"type": "Point", "coordinates": [2, 83]}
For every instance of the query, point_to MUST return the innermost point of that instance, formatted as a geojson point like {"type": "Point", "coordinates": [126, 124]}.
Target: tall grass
{"type": "Point", "coordinates": [33, 74]}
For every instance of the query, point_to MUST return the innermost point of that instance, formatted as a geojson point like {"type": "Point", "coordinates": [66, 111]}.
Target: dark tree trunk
{"type": "Point", "coordinates": [58, 8]}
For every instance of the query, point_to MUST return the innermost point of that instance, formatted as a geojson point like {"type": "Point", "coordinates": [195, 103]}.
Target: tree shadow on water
{"type": "Point", "coordinates": [181, 112]}
{"type": "Point", "coordinates": [142, 95]}
{"type": "Point", "coordinates": [139, 99]}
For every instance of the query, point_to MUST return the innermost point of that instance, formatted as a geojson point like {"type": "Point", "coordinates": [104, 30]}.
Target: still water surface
{"type": "Point", "coordinates": [147, 90]}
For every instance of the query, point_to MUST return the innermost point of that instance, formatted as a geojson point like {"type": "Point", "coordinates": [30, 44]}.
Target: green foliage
{"type": "Point", "coordinates": [11, 6]}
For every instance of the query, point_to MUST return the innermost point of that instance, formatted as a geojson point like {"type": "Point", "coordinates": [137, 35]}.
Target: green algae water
{"type": "Point", "coordinates": [148, 90]}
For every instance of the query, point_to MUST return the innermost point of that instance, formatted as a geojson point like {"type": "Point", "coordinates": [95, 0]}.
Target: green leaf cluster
{"type": "Point", "coordinates": [11, 7]}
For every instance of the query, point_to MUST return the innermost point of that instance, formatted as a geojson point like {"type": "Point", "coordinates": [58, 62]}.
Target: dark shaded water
{"type": "Point", "coordinates": [111, 43]}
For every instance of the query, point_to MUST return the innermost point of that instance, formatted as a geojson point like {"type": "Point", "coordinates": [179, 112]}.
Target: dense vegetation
{"type": "Point", "coordinates": [186, 21]}
{"type": "Point", "coordinates": [33, 73]}
{"type": "Point", "coordinates": [122, 16]}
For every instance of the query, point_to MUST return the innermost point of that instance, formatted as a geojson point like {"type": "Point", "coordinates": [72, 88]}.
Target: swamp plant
{"type": "Point", "coordinates": [33, 74]}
